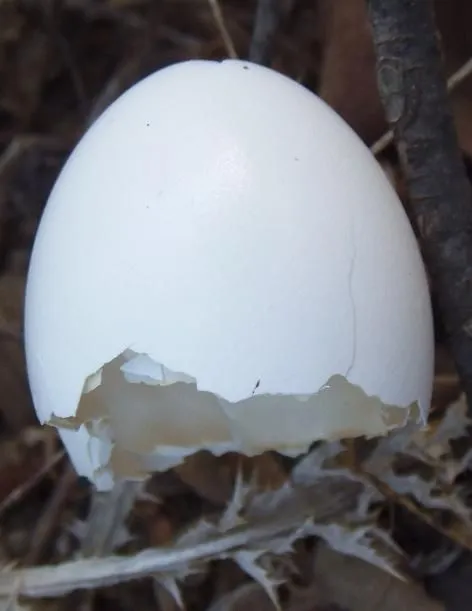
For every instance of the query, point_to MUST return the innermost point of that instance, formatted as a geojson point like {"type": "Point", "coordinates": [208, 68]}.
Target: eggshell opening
{"type": "Point", "coordinates": [150, 418]}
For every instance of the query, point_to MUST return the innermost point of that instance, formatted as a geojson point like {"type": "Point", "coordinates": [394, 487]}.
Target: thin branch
{"type": "Point", "coordinates": [107, 516]}
{"type": "Point", "coordinates": [414, 93]}
{"type": "Point", "coordinates": [410, 505]}
{"type": "Point", "coordinates": [454, 81]}
{"type": "Point", "coordinates": [223, 30]}
{"type": "Point", "coordinates": [266, 24]}
{"type": "Point", "coordinates": [19, 493]}
{"type": "Point", "coordinates": [48, 520]}
{"type": "Point", "coordinates": [460, 75]}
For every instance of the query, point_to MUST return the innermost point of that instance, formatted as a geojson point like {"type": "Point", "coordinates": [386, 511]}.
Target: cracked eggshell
{"type": "Point", "coordinates": [226, 265]}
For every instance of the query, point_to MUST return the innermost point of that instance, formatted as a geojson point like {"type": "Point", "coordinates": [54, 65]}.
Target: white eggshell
{"type": "Point", "coordinates": [225, 224]}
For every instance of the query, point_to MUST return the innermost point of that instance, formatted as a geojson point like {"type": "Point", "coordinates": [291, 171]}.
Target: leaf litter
{"type": "Point", "coordinates": [324, 496]}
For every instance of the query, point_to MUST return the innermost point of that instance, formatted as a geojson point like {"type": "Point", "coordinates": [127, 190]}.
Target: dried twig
{"type": "Point", "coordinates": [21, 491]}
{"type": "Point", "coordinates": [107, 517]}
{"type": "Point", "coordinates": [454, 81]}
{"type": "Point", "coordinates": [414, 93]}
{"type": "Point", "coordinates": [268, 15]}
{"type": "Point", "coordinates": [47, 523]}
{"type": "Point", "coordinates": [50, 19]}
{"type": "Point", "coordinates": [223, 30]}
{"type": "Point", "coordinates": [463, 539]}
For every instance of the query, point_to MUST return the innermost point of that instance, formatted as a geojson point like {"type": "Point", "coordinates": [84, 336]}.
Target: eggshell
{"type": "Point", "coordinates": [220, 231]}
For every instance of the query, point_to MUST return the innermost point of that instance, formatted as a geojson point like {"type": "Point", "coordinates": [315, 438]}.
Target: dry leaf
{"type": "Point", "coordinates": [358, 586]}
{"type": "Point", "coordinates": [246, 596]}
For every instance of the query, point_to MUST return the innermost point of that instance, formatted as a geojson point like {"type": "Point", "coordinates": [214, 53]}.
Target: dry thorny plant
{"type": "Point", "coordinates": [336, 493]}
{"type": "Point", "coordinates": [200, 530]}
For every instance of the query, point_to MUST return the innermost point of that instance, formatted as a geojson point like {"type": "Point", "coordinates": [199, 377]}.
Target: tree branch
{"type": "Point", "coordinates": [267, 20]}
{"type": "Point", "coordinates": [414, 93]}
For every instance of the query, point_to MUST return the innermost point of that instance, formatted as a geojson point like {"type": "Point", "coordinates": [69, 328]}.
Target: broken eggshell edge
{"type": "Point", "coordinates": [287, 424]}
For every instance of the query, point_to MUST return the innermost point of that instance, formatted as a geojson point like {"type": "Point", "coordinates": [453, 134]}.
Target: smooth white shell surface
{"type": "Point", "coordinates": [222, 219]}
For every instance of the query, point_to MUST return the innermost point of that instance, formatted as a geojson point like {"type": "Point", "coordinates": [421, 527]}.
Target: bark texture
{"type": "Point", "coordinates": [413, 89]}
{"type": "Point", "coordinates": [268, 16]}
